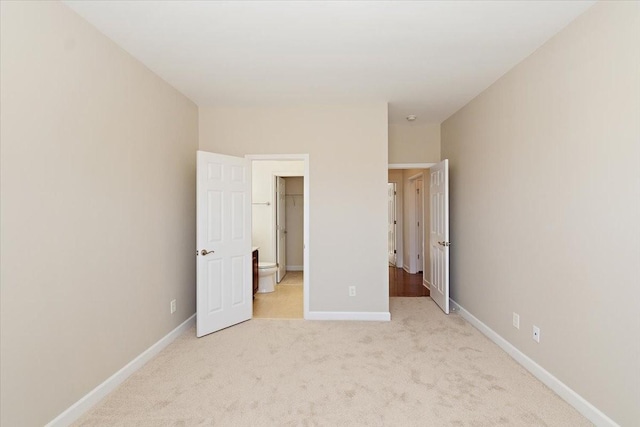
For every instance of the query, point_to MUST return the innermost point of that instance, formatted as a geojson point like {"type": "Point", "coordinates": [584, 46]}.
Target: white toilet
{"type": "Point", "coordinates": [267, 277]}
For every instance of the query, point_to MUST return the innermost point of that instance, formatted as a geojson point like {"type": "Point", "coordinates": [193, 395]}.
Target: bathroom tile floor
{"type": "Point", "coordinates": [284, 303]}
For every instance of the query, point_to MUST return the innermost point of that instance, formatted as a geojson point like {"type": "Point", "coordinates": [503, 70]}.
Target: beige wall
{"type": "Point", "coordinates": [263, 217]}
{"type": "Point", "coordinates": [347, 147]}
{"type": "Point", "coordinates": [414, 143]}
{"type": "Point", "coordinates": [295, 222]}
{"type": "Point", "coordinates": [97, 209]}
{"type": "Point", "coordinates": [545, 206]}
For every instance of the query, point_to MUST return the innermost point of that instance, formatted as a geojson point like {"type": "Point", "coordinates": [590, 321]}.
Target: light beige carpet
{"type": "Point", "coordinates": [421, 369]}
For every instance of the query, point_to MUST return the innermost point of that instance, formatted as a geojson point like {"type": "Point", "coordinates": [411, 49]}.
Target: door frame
{"type": "Point", "coordinates": [306, 242]}
{"type": "Point", "coordinates": [411, 165]}
{"type": "Point", "coordinates": [425, 281]}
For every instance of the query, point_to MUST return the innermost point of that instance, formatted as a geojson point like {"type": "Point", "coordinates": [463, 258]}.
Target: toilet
{"type": "Point", "coordinates": [267, 277]}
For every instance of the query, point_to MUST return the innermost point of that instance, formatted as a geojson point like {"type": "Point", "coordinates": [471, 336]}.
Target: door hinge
{"type": "Point", "coordinates": [418, 223]}
{"type": "Point", "coordinates": [395, 252]}
{"type": "Point", "coordinates": [418, 256]}
{"type": "Point", "coordinates": [394, 193]}
{"type": "Point", "coordinates": [394, 222]}
{"type": "Point", "coordinates": [418, 190]}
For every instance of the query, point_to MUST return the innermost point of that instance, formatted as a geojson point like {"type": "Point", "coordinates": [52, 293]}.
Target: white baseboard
{"type": "Point", "coordinates": [295, 268]}
{"type": "Point", "coordinates": [381, 316]}
{"type": "Point", "coordinates": [406, 268]}
{"type": "Point", "coordinates": [592, 413]}
{"type": "Point", "coordinates": [76, 410]}
{"type": "Point", "coordinates": [426, 284]}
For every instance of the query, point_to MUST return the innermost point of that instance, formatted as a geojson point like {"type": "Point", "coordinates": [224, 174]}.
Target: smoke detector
{"type": "Point", "coordinates": [411, 117]}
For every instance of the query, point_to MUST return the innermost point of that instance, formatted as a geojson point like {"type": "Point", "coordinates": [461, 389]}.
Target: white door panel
{"type": "Point", "coordinates": [223, 242]}
{"type": "Point", "coordinates": [391, 228]}
{"type": "Point", "coordinates": [439, 234]}
{"type": "Point", "coordinates": [281, 229]}
{"type": "Point", "coordinates": [419, 227]}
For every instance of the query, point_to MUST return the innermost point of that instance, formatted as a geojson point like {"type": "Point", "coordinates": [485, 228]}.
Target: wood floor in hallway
{"type": "Point", "coordinates": [403, 284]}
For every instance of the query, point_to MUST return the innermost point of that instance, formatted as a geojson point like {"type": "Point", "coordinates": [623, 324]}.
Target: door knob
{"type": "Point", "coordinates": [206, 252]}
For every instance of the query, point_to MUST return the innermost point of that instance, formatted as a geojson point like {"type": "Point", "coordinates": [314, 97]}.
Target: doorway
{"type": "Point", "coordinates": [286, 300]}
{"type": "Point", "coordinates": [410, 275]}
{"type": "Point", "coordinates": [434, 225]}
{"type": "Point", "coordinates": [280, 218]}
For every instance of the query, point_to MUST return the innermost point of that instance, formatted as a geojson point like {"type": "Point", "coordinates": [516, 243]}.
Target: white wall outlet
{"type": "Point", "coordinates": [516, 320]}
{"type": "Point", "coordinates": [173, 306]}
{"type": "Point", "coordinates": [536, 333]}
{"type": "Point", "coordinates": [352, 291]}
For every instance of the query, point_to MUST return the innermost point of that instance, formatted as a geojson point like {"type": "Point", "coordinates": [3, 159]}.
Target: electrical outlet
{"type": "Point", "coordinates": [352, 291]}
{"type": "Point", "coordinates": [516, 320]}
{"type": "Point", "coordinates": [173, 306]}
{"type": "Point", "coordinates": [536, 333]}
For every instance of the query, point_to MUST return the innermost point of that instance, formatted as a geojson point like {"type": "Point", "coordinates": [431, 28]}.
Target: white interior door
{"type": "Point", "coordinates": [223, 242]}
{"type": "Point", "coordinates": [391, 228]}
{"type": "Point", "coordinates": [419, 227]}
{"type": "Point", "coordinates": [281, 228]}
{"type": "Point", "coordinates": [439, 234]}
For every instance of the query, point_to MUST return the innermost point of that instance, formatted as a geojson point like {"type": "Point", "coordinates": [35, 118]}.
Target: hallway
{"type": "Point", "coordinates": [403, 284]}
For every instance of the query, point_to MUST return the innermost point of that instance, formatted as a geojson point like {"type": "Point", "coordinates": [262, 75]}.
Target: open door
{"type": "Point", "coordinates": [391, 227]}
{"type": "Point", "coordinates": [223, 242]}
{"type": "Point", "coordinates": [281, 228]}
{"type": "Point", "coordinates": [439, 234]}
{"type": "Point", "coordinates": [419, 227]}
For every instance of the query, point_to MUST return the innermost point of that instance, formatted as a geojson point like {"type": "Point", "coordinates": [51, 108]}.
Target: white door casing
{"type": "Point", "coordinates": [223, 242]}
{"type": "Point", "coordinates": [439, 234]}
{"type": "Point", "coordinates": [392, 223]}
{"type": "Point", "coordinates": [281, 228]}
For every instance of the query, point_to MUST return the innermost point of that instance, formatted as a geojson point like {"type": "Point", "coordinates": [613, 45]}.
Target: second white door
{"type": "Point", "coordinates": [281, 228]}
{"type": "Point", "coordinates": [419, 239]}
{"type": "Point", "coordinates": [391, 228]}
